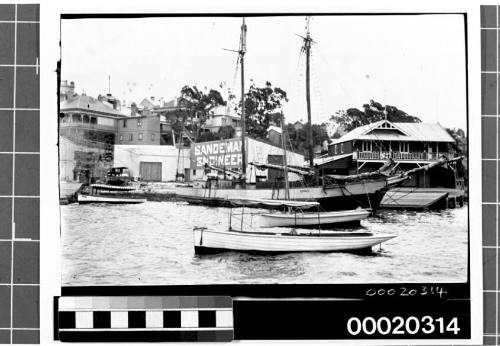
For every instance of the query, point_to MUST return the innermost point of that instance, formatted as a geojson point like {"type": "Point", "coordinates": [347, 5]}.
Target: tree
{"type": "Point", "coordinates": [299, 138]}
{"type": "Point", "coordinates": [262, 106]}
{"type": "Point", "coordinates": [207, 136]}
{"type": "Point", "coordinates": [372, 112]}
{"type": "Point", "coordinates": [460, 145]}
{"type": "Point", "coordinates": [199, 105]}
{"type": "Point", "coordinates": [226, 132]}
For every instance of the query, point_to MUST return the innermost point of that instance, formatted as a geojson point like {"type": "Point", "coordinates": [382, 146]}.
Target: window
{"type": "Point", "coordinates": [125, 123]}
{"type": "Point", "coordinates": [131, 137]}
{"type": "Point", "coordinates": [121, 138]}
{"type": "Point", "coordinates": [152, 137]}
{"type": "Point", "coordinates": [140, 136]}
{"type": "Point", "coordinates": [341, 148]}
{"type": "Point", "coordinates": [139, 123]}
{"type": "Point", "coordinates": [194, 172]}
{"type": "Point", "coordinates": [366, 146]}
{"type": "Point", "coordinates": [404, 147]}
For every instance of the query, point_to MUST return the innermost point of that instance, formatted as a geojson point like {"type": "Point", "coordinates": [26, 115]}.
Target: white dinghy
{"type": "Point", "coordinates": [281, 241]}
{"type": "Point", "coordinates": [295, 216]}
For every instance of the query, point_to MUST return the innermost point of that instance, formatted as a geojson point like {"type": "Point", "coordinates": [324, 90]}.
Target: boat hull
{"type": "Point", "coordinates": [307, 219]}
{"type": "Point", "coordinates": [365, 194]}
{"type": "Point", "coordinates": [207, 241]}
{"type": "Point", "coordinates": [86, 199]}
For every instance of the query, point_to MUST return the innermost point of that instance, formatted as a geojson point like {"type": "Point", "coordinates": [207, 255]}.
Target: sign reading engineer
{"type": "Point", "coordinates": [225, 153]}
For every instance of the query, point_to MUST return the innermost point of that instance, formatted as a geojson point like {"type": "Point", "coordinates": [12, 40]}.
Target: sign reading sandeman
{"type": "Point", "coordinates": [224, 153]}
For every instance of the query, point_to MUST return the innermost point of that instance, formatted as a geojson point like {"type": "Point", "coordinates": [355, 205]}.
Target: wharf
{"type": "Point", "coordinates": [422, 198]}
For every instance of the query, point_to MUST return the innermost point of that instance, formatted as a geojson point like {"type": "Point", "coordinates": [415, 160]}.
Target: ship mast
{"type": "Point", "coordinates": [306, 47]}
{"type": "Point", "coordinates": [241, 54]}
{"type": "Point", "coordinates": [283, 144]}
{"type": "Point", "coordinates": [241, 60]}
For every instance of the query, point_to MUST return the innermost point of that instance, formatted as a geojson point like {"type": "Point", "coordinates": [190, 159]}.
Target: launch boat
{"type": "Point", "coordinates": [272, 240]}
{"type": "Point", "coordinates": [104, 193]}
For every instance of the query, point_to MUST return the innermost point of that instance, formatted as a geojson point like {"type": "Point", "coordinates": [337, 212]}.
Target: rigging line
{"type": "Point", "coordinates": [317, 88]}
{"type": "Point", "coordinates": [332, 71]}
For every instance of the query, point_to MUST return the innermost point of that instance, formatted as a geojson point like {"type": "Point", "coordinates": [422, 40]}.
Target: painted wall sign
{"type": "Point", "coordinates": [225, 153]}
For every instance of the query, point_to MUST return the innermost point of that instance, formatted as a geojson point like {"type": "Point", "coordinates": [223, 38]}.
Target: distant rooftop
{"type": "Point", "coordinates": [88, 103]}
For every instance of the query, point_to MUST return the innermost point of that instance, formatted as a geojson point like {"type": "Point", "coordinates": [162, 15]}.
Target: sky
{"type": "Point", "coordinates": [413, 62]}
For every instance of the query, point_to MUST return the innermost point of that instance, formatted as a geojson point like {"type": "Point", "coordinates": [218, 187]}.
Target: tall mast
{"type": "Point", "coordinates": [285, 161]}
{"type": "Point", "coordinates": [307, 49]}
{"type": "Point", "coordinates": [241, 53]}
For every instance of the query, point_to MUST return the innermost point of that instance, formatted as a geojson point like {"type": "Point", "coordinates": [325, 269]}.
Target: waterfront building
{"type": "Point", "coordinates": [410, 145]}
{"type": "Point", "coordinates": [226, 154]}
{"type": "Point", "coordinates": [87, 132]}
{"type": "Point", "coordinates": [153, 163]}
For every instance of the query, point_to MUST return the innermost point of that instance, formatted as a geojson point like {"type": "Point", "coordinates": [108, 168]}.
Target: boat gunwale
{"type": "Point", "coordinates": [324, 234]}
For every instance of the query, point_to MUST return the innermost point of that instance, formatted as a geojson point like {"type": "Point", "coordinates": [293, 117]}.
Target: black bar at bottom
{"type": "Point", "coordinates": [322, 319]}
{"type": "Point", "coordinates": [145, 336]}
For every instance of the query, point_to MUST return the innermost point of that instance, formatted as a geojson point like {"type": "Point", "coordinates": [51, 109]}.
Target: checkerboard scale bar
{"type": "Point", "coordinates": [144, 318]}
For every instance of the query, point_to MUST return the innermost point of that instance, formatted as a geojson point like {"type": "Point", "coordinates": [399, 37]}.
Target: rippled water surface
{"type": "Point", "coordinates": [152, 244]}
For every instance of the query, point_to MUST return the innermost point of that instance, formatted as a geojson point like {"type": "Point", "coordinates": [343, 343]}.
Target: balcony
{"type": "Point", "coordinates": [90, 126]}
{"type": "Point", "coordinates": [398, 156]}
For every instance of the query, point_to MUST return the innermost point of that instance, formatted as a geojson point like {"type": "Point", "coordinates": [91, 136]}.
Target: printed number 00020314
{"type": "Point", "coordinates": [401, 326]}
{"type": "Point", "coordinates": [407, 292]}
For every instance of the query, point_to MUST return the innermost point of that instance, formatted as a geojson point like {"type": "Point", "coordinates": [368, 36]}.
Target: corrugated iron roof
{"type": "Point", "coordinates": [88, 103]}
{"type": "Point", "coordinates": [416, 132]}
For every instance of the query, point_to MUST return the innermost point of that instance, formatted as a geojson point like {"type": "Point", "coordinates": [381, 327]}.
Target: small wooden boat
{"type": "Point", "coordinates": [305, 219]}
{"type": "Point", "coordinates": [208, 241]}
{"type": "Point", "coordinates": [269, 240]}
{"type": "Point", "coordinates": [112, 194]}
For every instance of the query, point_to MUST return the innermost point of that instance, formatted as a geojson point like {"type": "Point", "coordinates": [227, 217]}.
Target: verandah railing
{"type": "Point", "coordinates": [398, 155]}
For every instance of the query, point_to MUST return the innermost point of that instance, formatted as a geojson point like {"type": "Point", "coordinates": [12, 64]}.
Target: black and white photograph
{"type": "Point", "coordinates": [264, 149]}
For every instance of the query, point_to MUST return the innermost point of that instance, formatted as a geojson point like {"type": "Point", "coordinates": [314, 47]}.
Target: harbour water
{"type": "Point", "coordinates": [152, 244]}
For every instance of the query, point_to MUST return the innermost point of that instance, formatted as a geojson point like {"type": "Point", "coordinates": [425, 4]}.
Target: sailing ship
{"type": "Point", "coordinates": [272, 241]}
{"type": "Point", "coordinates": [331, 191]}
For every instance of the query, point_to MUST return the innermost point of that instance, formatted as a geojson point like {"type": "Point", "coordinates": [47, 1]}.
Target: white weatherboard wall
{"type": "Point", "coordinates": [258, 152]}
{"type": "Point", "coordinates": [131, 156]}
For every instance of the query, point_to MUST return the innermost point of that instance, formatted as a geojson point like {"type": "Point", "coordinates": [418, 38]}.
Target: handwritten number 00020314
{"type": "Point", "coordinates": [407, 292]}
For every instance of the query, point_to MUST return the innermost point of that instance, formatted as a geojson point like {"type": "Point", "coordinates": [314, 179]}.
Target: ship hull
{"type": "Point", "coordinates": [207, 241]}
{"type": "Point", "coordinates": [365, 194]}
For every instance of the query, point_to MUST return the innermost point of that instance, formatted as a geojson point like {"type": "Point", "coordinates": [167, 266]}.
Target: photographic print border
{"type": "Point", "coordinates": [288, 299]}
